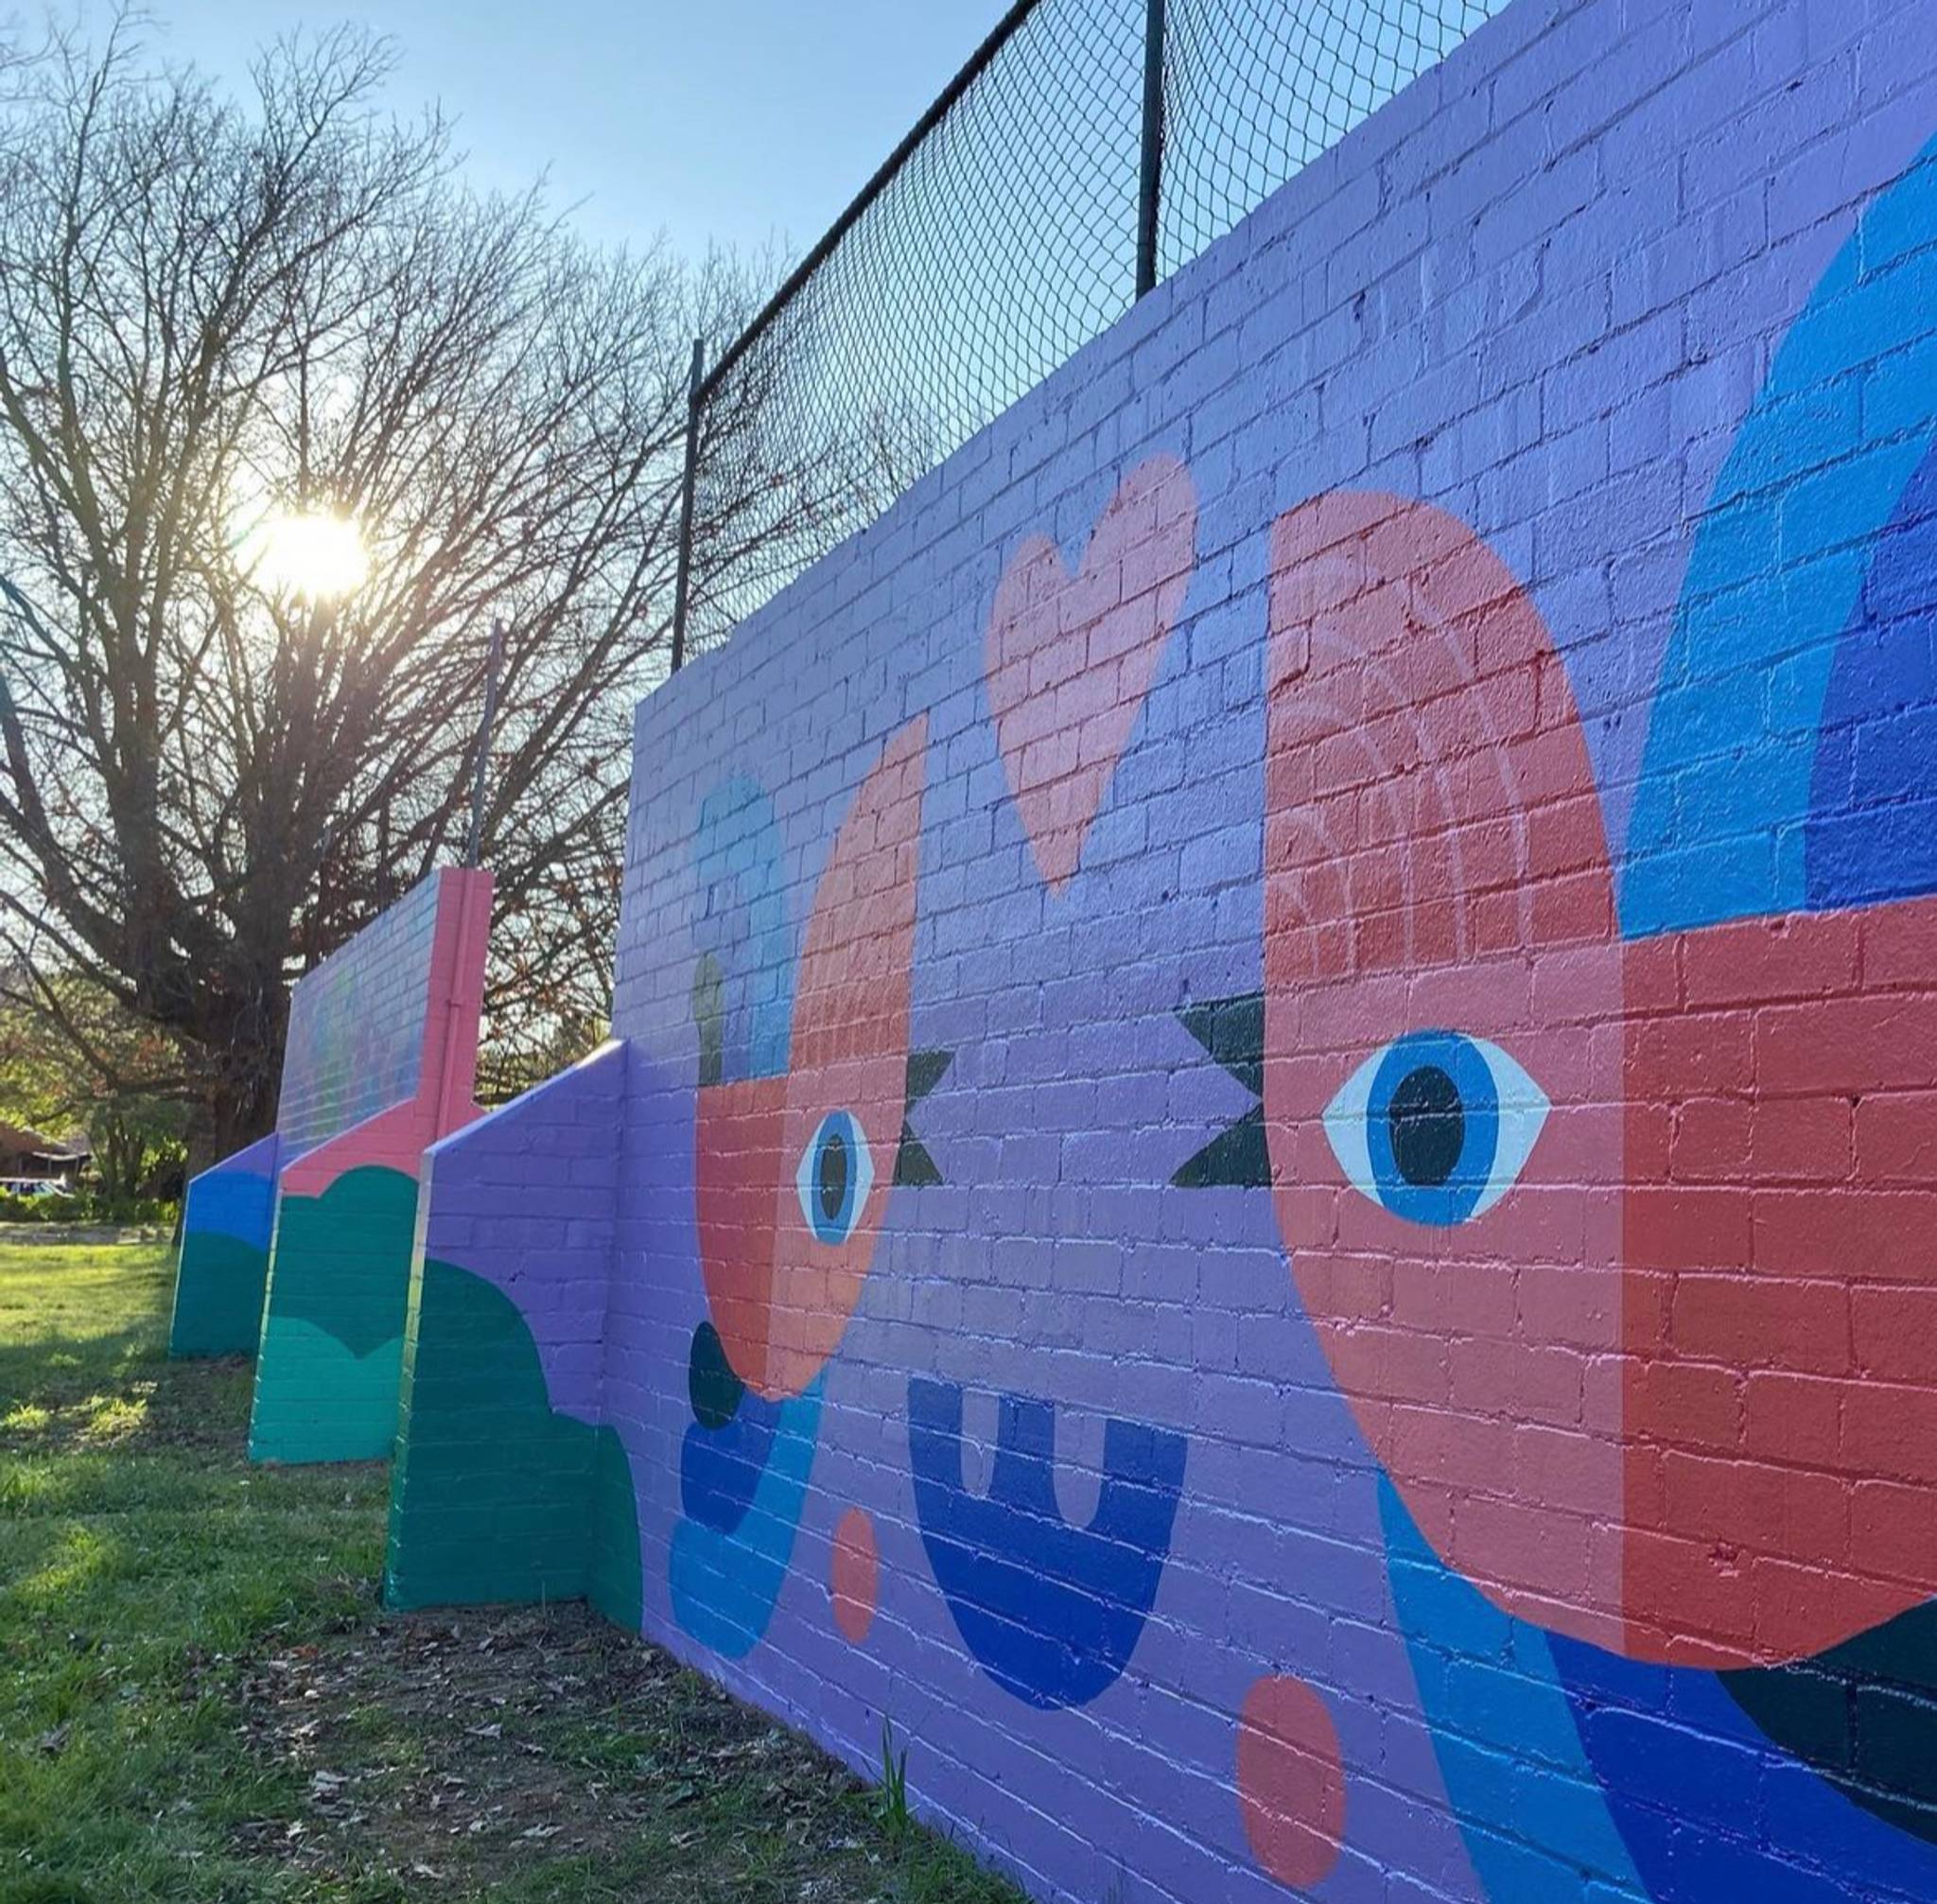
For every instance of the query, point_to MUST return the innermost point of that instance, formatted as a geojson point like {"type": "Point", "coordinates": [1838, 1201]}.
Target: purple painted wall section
{"type": "Point", "coordinates": [1281, 1041]}
{"type": "Point", "coordinates": [504, 1487]}
{"type": "Point", "coordinates": [526, 1199]}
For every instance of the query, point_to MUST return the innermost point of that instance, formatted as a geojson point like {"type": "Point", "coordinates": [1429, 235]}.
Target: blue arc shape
{"type": "Point", "coordinates": [724, 1584]}
{"type": "Point", "coordinates": [1051, 1613]}
{"type": "Point", "coordinates": [1776, 574]}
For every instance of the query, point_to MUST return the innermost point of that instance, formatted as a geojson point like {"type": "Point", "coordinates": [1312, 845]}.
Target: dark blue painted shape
{"type": "Point", "coordinates": [1872, 823]}
{"type": "Point", "coordinates": [725, 1586]}
{"type": "Point", "coordinates": [719, 1468]}
{"type": "Point", "coordinates": [1711, 1808]}
{"type": "Point", "coordinates": [1052, 1611]}
{"type": "Point", "coordinates": [236, 1203]}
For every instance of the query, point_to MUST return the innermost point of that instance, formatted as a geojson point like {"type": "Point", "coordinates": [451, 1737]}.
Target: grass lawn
{"type": "Point", "coordinates": [200, 1700]}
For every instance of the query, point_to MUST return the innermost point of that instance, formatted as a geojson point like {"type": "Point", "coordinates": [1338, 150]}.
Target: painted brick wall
{"type": "Point", "coordinates": [495, 1495]}
{"type": "Point", "coordinates": [358, 1027]}
{"type": "Point", "coordinates": [359, 1119]}
{"type": "Point", "coordinates": [1280, 1098]}
{"type": "Point", "coordinates": [355, 1042]}
{"type": "Point", "coordinates": [227, 1222]}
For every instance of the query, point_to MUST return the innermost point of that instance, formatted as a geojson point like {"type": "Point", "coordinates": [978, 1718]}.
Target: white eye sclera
{"type": "Point", "coordinates": [1436, 1127]}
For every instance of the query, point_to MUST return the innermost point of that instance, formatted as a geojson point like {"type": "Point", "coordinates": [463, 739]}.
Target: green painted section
{"type": "Point", "coordinates": [494, 1497]}
{"type": "Point", "coordinates": [332, 1334]}
{"type": "Point", "coordinates": [322, 1403]}
{"type": "Point", "coordinates": [217, 1295]}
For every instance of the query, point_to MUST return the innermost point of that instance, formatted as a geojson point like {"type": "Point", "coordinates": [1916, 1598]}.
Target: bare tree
{"type": "Point", "coordinates": [211, 313]}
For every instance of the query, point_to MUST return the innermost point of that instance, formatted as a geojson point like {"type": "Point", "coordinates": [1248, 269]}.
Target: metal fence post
{"type": "Point", "coordinates": [683, 582]}
{"type": "Point", "coordinates": [1150, 182]}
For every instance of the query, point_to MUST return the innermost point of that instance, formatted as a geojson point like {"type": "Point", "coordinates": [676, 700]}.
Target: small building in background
{"type": "Point", "coordinates": [28, 1157]}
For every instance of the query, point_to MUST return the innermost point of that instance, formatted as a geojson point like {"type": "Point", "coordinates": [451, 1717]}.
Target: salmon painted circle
{"type": "Point", "coordinates": [1290, 1781]}
{"type": "Point", "coordinates": [854, 1575]}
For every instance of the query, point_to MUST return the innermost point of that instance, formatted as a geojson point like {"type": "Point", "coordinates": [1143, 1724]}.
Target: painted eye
{"type": "Point", "coordinates": [1437, 1126]}
{"type": "Point", "coordinates": [835, 1175]}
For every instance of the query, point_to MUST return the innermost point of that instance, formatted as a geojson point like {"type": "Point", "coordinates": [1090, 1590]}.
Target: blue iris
{"type": "Point", "coordinates": [834, 1176]}
{"type": "Point", "coordinates": [1436, 1127]}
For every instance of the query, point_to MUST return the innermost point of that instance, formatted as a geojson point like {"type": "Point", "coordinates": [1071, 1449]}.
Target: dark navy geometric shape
{"type": "Point", "coordinates": [1873, 822]}
{"type": "Point", "coordinates": [1864, 1714]}
{"type": "Point", "coordinates": [1052, 1611]}
{"type": "Point", "coordinates": [914, 1165]}
{"type": "Point", "coordinates": [715, 1392]}
{"type": "Point", "coordinates": [720, 1467]}
{"type": "Point", "coordinates": [1232, 1031]}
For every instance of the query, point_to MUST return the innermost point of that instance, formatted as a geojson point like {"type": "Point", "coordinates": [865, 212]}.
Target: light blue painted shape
{"type": "Point", "coordinates": [1835, 435]}
{"type": "Point", "coordinates": [1536, 1825]}
{"type": "Point", "coordinates": [743, 922]}
{"type": "Point", "coordinates": [1872, 830]}
{"type": "Point", "coordinates": [724, 1585]}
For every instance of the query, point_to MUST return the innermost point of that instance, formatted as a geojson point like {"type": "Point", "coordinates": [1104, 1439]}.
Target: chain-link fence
{"type": "Point", "coordinates": [1089, 148]}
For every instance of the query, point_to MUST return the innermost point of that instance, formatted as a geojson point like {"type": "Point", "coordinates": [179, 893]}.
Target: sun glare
{"type": "Point", "coordinates": [317, 556]}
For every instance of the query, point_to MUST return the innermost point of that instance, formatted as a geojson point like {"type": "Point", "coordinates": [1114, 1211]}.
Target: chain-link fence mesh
{"type": "Point", "coordinates": [1254, 90]}
{"type": "Point", "coordinates": [1002, 239]}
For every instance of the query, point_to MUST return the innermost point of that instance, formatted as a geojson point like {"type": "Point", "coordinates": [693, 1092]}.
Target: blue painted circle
{"type": "Point", "coordinates": [1432, 1126]}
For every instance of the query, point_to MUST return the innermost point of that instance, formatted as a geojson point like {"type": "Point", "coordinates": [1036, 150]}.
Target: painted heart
{"type": "Point", "coordinates": [1071, 657]}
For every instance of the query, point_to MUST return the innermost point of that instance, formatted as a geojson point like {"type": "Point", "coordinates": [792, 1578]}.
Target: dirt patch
{"type": "Point", "coordinates": [447, 1752]}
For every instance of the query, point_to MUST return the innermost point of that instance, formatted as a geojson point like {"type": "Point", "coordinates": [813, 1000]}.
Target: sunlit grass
{"type": "Point", "coordinates": [114, 1418]}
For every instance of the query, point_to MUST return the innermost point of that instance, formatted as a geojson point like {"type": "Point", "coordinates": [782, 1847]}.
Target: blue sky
{"type": "Point", "coordinates": [740, 120]}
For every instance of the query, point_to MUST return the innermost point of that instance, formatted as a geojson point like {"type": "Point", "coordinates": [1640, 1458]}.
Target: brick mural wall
{"type": "Point", "coordinates": [355, 1047]}
{"type": "Point", "coordinates": [356, 1024]}
{"type": "Point", "coordinates": [507, 1492]}
{"type": "Point", "coordinates": [380, 1060]}
{"type": "Point", "coordinates": [299, 1245]}
{"type": "Point", "coordinates": [1271, 1172]}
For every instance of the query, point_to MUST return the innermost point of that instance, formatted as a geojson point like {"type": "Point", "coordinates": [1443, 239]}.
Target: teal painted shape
{"type": "Point", "coordinates": [724, 1585]}
{"type": "Point", "coordinates": [495, 1497]}
{"type": "Point", "coordinates": [333, 1321]}
{"type": "Point", "coordinates": [1529, 1802]}
{"type": "Point", "coordinates": [218, 1286]}
{"type": "Point", "coordinates": [317, 1401]}
{"type": "Point", "coordinates": [1835, 435]}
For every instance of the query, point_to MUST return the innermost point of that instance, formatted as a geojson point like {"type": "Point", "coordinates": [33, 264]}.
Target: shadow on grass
{"type": "Point", "coordinates": [84, 1362]}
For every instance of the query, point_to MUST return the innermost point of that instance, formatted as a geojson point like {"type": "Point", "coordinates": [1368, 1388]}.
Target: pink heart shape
{"type": "Point", "coordinates": [1070, 658]}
